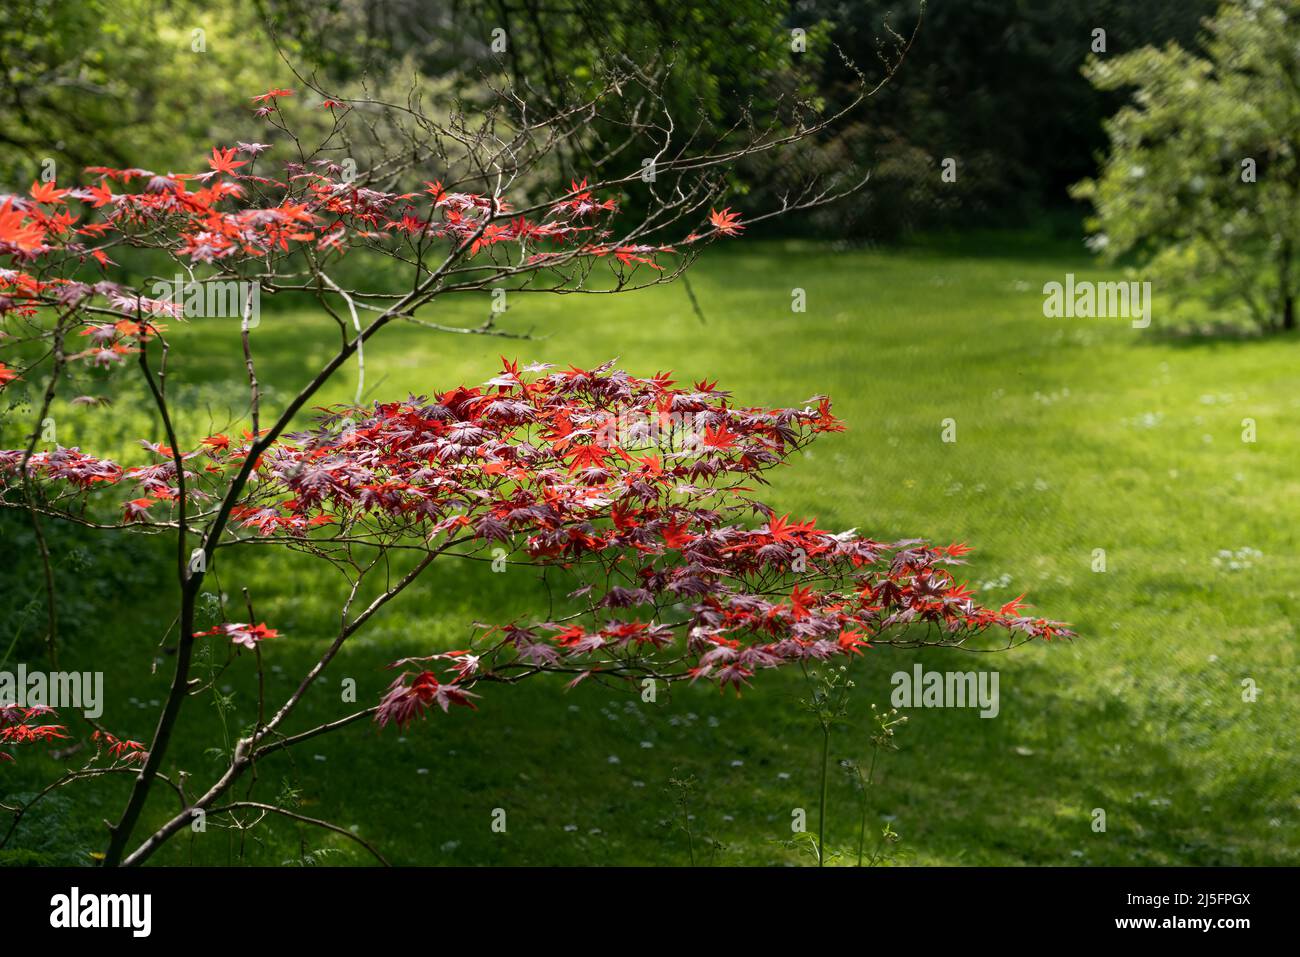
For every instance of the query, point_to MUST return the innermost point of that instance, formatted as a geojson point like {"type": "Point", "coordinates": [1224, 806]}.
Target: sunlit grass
{"type": "Point", "coordinates": [1073, 435]}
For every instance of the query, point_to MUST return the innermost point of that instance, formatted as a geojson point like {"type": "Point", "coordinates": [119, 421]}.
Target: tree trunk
{"type": "Point", "coordinates": [120, 833]}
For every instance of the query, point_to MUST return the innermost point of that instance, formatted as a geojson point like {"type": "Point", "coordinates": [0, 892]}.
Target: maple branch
{"type": "Point", "coordinates": [316, 822]}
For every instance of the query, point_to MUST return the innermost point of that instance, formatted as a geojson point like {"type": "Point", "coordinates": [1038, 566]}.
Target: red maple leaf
{"type": "Point", "coordinates": [48, 193]}
{"type": "Point", "coordinates": [676, 536]}
{"type": "Point", "coordinates": [223, 161]}
{"type": "Point", "coordinates": [17, 233]}
{"type": "Point", "coordinates": [1011, 607]}
{"type": "Point", "coordinates": [853, 641]}
{"type": "Point", "coordinates": [588, 456]}
{"type": "Point", "coordinates": [719, 438]}
{"type": "Point", "coordinates": [726, 222]}
{"type": "Point", "coordinates": [100, 195]}
{"type": "Point", "coordinates": [801, 600]}
{"type": "Point", "coordinates": [271, 95]}
{"type": "Point", "coordinates": [780, 529]}
{"type": "Point", "coordinates": [137, 510]}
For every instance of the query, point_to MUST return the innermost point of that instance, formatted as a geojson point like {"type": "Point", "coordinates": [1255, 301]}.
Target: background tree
{"type": "Point", "coordinates": [1202, 183]}
{"type": "Point", "coordinates": [993, 85]}
{"type": "Point", "coordinates": [137, 81]}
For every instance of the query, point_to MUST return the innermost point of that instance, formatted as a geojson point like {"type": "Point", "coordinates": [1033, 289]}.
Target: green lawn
{"type": "Point", "coordinates": [1073, 435]}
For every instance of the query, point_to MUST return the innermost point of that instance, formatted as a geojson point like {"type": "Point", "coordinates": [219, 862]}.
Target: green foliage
{"type": "Point", "coordinates": [882, 740]}
{"type": "Point", "coordinates": [315, 858]}
{"type": "Point", "coordinates": [716, 61]}
{"type": "Point", "coordinates": [684, 792]}
{"type": "Point", "coordinates": [52, 834]}
{"type": "Point", "coordinates": [101, 81]}
{"type": "Point", "coordinates": [993, 85]}
{"type": "Point", "coordinates": [708, 74]}
{"type": "Point", "coordinates": [830, 695]}
{"type": "Point", "coordinates": [960, 94]}
{"type": "Point", "coordinates": [126, 83]}
{"type": "Point", "coordinates": [24, 858]}
{"type": "Point", "coordinates": [93, 573]}
{"type": "Point", "coordinates": [1202, 183]}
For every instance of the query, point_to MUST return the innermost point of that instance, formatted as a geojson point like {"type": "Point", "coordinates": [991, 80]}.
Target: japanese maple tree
{"type": "Point", "coordinates": [635, 489]}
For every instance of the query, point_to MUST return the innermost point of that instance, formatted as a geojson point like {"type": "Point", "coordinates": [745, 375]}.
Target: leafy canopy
{"type": "Point", "coordinates": [1202, 182]}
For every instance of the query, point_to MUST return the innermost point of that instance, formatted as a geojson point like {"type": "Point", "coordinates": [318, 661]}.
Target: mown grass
{"type": "Point", "coordinates": [1072, 435]}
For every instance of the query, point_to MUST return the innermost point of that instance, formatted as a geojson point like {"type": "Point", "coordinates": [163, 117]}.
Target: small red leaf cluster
{"type": "Point", "coordinates": [247, 635]}
{"type": "Point", "coordinates": [120, 749]}
{"type": "Point", "coordinates": [24, 726]}
{"type": "Point", "coordinates": [18, 726]}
